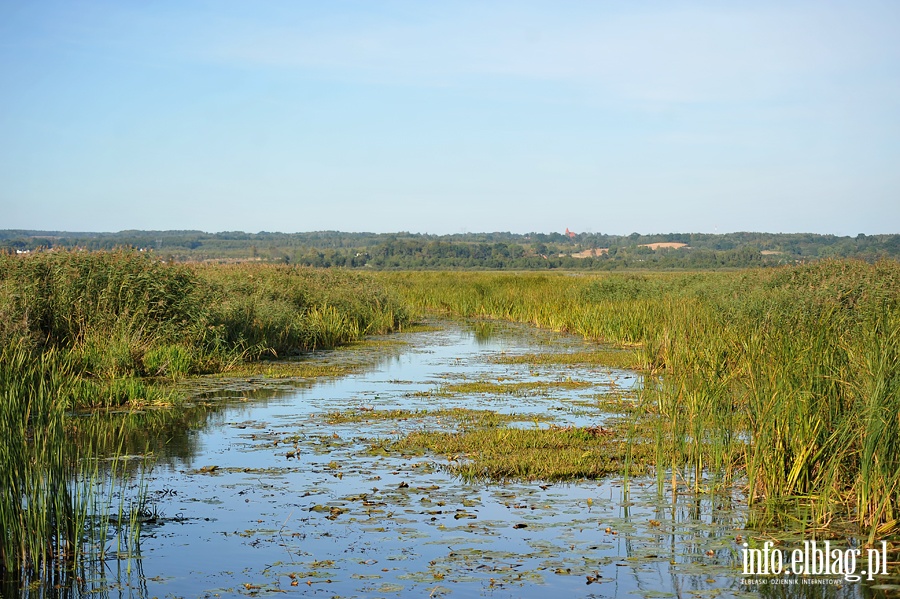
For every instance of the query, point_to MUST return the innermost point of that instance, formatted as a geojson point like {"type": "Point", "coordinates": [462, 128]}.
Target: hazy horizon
{"type": "Point", "coordinates": [402, 232]}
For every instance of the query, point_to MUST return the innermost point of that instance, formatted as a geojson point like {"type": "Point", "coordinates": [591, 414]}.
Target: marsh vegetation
{"type": "Point", "coordinates": [787, 380]}
{"type": "Point", "coordinates": [123, 320]}
{"type": "Point", "coordinates": [778, 386]}
{"type": "Point", "coordinates": [103, 330]}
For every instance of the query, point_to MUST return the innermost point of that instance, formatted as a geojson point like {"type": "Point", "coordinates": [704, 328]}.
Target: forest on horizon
{"type": "Point", "coordinates": [498, 250]}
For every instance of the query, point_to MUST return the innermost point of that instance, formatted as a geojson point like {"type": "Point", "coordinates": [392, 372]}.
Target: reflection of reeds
{"type": "Point", "coordinates": [789, 377]}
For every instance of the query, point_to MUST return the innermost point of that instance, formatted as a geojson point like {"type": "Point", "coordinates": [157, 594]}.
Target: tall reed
{"type": "Point", "coordinates": [56, 495]}
{"type": "Point", "coordinates": [89, 330]}
{"type": "Point", "coordinates": [120, 316]}
{"type": "Point", "coordinates": [36, 508]}
{"type": "Point", "coordinates": [786, 378]}
{"type": "Point", "coordinates": [276, 310]}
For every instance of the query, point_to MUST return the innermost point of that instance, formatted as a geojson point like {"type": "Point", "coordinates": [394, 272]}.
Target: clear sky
{"type": "Point", "coordinates": [451, 116]}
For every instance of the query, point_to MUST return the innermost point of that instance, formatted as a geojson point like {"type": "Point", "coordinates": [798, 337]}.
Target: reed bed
{"type": "Point", "coordinates": [54, 488]}
{"type": "Point", "coordinates": [276, 310]}
{"type": "Point", "coordinates": [93, 330]}
{"type": "Point", "coordinates": [121, 317]}
{"type": "Point", "coordinates": [35, 461]}
{"type": "Point", "coordinates": [786, 380]}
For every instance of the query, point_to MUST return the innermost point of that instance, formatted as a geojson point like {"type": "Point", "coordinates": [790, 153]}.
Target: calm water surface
{"type": "Point", "coordinates": [264, 497]}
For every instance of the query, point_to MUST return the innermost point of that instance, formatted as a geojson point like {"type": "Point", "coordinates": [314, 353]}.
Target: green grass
{"type": "Point", "coordinates": [51, 502]}
{"type": "Point", "coordinates": [786, 380]}
{"type": "Point", "coordinates": [101, 330]}
{"type": "Point", "coordinates": [279, 310]}
{"type": "Point", "coordinates": [123, 316]}
{"type": "Point", "coordinates": [35, 464]}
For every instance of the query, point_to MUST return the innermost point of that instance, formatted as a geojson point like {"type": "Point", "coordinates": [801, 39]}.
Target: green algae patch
{"type": "Point", "coordinates": [552, 454]}
{"type": "Point", "coordinates": [522, 389]}
{"type": "Point", "coordinates": [289, 369]}
{"type": "Point", "coordinates": [354, 358]}
{"type": "Point", "coordinates": [613, 403]}
{"type": "Point", "coordinates": [460, 416]}
{"type": "Point", "coordinates": [614, 358]}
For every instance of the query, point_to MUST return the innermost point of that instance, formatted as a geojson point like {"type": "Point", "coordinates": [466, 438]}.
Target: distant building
{"type": "Point", "coordinates": [570, 234]}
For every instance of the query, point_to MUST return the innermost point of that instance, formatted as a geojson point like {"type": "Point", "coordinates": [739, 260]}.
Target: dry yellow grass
{"type": "Point", "coordinates": [593, 253]}
{"type": "Point", "coordinates": [673, 245]}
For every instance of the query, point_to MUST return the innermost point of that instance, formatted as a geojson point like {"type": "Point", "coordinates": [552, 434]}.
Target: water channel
{"type": "Point", "coordinates": [264, 496]}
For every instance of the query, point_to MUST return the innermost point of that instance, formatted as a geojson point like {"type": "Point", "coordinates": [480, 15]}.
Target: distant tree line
{"type": "Point", "coordinates": [500, 250]}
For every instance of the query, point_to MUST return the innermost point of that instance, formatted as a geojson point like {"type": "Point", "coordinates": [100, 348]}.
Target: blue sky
{"type": "Point", "coordinates": [445, 117]}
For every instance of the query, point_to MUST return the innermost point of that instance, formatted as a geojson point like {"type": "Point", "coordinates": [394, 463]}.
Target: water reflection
{"type": "Point", "coordinates": [254, 492]}
{"type": "Point", "coordinates": [169, 436]}
{"type": "Point", "coordinates": [484, 331]}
